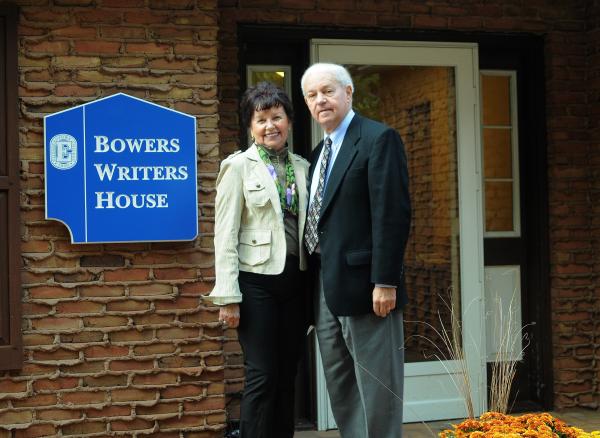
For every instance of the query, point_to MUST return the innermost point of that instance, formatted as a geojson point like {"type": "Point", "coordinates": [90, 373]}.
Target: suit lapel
{"type": "Point", "coordinates": [260, 171]}
{"type": "Point", "coordinates": [342, 161]}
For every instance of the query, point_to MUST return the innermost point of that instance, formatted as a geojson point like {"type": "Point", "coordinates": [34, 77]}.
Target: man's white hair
{"type": "Point", "coordinates": [338, 72]}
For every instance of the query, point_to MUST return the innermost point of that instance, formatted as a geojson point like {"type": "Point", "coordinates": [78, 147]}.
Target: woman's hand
{"type": "Point", "coordinates": [230, 315]}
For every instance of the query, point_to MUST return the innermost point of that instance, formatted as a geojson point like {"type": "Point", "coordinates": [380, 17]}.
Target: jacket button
{"type": "Point", "coordinates": [253, 240]}
{"type": "Point", "coordinates": [257, 185]}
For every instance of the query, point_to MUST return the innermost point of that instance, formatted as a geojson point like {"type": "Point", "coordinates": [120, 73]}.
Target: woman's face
{"type": "Point", "coordinates": [270, 127]}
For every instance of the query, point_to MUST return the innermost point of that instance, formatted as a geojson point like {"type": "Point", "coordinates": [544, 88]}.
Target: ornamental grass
{"type": "Point", "coordinates": [497, 425]}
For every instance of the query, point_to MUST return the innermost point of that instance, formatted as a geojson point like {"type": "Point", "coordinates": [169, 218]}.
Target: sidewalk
{"type": "Point", "coordinates": [585, 419]}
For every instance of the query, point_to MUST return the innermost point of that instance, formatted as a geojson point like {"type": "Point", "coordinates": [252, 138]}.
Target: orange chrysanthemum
{"type": "Point", "coordinates": [497, 425]}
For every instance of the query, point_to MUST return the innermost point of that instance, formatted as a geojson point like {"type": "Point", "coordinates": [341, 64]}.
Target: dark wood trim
{"type": "Point", "coordinates": [11, 353]}
{"type": "Point", "coordinates": [496, 50]}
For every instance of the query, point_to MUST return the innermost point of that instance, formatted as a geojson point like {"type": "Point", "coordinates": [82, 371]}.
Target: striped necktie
{"type": "Point", "coordinates": [311, 238]}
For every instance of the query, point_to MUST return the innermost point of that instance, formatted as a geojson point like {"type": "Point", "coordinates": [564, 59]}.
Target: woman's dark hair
{"type": "Point", "coordinates": [262, 96]}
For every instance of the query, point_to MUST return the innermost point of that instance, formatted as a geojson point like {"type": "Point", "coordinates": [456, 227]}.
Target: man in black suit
{"type": "Point", "coordinates": [357, 227]}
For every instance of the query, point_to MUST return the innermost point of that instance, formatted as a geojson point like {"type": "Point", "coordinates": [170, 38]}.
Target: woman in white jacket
{"type": "Point", "coordinates": [259, 225]}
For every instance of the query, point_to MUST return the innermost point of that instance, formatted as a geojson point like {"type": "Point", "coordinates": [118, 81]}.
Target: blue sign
{"type": "Point", "coordinates": [121, 169]}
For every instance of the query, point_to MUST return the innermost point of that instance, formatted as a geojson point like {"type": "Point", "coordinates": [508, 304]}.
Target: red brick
{"type": "Point", "coordinates": [105, 321]}
{"type": "Point", "coordinates": [126, 275]}
{"type": "Point", "coordinates": [85, 428]}
{"type": "Point", "coordinates": [97, 47]}
{"type": "Point", "coordinates": [158, 409]}
{"type": "Point", "coordinates": [83, 398]}
{"type": "Point", "coordinates": [37, 430]}
{"type": "Point", "coordinates": [182, 391]}
{"type": "Point", "coordinates": [130, 365]}
{"type": "Point", "coordinates": [9, 386]}
{"type": "Point", "coordinates": [137, 424]}
{"type": "Point", "coordinates": [56, 355]}
{"type": "Point", "coordinates": [174, 274]}
{"type": "Point", "coordinates": [105, 381]}
{"type": "Point", "coordinates": [35, 401]}
{"type": "Point", "coordinates": [184, 422]}
{"type": "Point", "coordinates": [179, 303]}
{"type": "Point", "coordinates": [51, 292]}
{"type": "Point", "coordinates": [56, 324]}
{"type": "Point", "coordinates": [177, 333]}
{"type": "Point", "coordinates": [147, 48]}
{"type": "Point", "coordinates": [55, 384]}
{"type": "Point", "coordinates": [59, 414]}
{"type": "Point", "coordinates": [132, 395]}
{"type": "Point", "coordinates": [98, 351]}
{"type": "Point", "coordinates": [151, 350]}
{"type": "Point", "coordinates": [79, 307]}
{"type": "Point", "coordinates": [74, 90]}
{"type": "Point", "coordinates": [206, 404]}
{"type": "Point", "coordinates": [15, 417]}
{"type": "Point", "coordinates": [110, 411]}
{"type": "Point", "coordinates": [155, 379]}
{"type": "Point", "coordinates": [128, 306]}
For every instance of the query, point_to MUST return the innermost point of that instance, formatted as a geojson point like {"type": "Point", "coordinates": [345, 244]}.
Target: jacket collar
{"type": "Point", "coordinates": [344, 158]}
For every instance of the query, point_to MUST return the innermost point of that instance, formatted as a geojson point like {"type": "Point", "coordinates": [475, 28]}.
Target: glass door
{"type": "Point", "coordinates": [429, 92]}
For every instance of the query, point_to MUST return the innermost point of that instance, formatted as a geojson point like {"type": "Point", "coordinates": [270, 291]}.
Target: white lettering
{"type": "Point", "coordinates": [104, 171]}
{"type": "Point", "coordinates": [162, 145]}
{"type": "Point", "coordinates": [183, 173]}
{"type": "Point", "coordinates": [137, 200]}
{"type": "Point", "coordinates": [124, 173]}
{"type": "Point", "coordinates": [117, 149]}
{"type": "Point", "coordinates": [101, 143]}
{"type": "Point", "coordinates": [135, 144]}
{"type": "Point", "coordinates": [161, 200]}
{"type": "Point", "coordinates": [104, 197]}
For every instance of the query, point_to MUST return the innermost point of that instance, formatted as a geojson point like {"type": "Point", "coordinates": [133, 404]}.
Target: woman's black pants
{"type": "Point", "coordinates": [271, 333]}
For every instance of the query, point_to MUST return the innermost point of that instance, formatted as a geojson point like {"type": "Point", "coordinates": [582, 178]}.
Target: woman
{"type": "Point", "coordinates": [259, 224]}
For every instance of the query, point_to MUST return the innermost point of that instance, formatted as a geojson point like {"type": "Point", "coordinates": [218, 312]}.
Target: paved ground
{"type": "Point", "coordinates": [586, 419]}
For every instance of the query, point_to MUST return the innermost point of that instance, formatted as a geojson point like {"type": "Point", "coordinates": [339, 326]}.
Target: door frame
{"type": "Point", "coordinates": [462, 57]}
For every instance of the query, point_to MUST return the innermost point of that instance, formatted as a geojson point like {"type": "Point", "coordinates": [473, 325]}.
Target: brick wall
{"type": "Point", "coordinates": [592, 336]}
{"type": "Point", "coordinates": [569, 50]}
{"type": "Point", "coordinates": [117, 339]}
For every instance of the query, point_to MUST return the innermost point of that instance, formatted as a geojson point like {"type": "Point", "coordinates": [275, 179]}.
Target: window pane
{"type": "Point", "coordinates": [276, 77]}
{"type": "Point", "coordinates": [498, 206]}
{"type": "Point", "coordinates": [496, 100]}
{"type": "Point", "coordinates": [497, 151]}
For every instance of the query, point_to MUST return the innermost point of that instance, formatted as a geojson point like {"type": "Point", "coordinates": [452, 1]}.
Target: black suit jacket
{"type": "Point", "coordinates": [365, 218]}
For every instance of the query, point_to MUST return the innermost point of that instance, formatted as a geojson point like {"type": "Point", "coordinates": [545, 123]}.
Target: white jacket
{"type": "Point", "coordinates": [249, 229]}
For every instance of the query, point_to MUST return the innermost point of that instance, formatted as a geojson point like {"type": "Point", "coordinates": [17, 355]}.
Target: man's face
{"type": "Point", "coordinates": [327, 100]}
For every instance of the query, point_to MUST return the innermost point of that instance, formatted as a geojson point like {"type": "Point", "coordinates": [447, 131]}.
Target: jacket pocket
{"type": "Point", "coordinates": [358, 257]}
{"type": "Point", "coordinates": [256, 193]}
{"type": "Point", "coordinates": [254, 247]}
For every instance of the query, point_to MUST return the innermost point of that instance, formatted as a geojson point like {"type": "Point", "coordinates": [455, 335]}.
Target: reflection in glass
{"type": "Point", "coordinates": [497, 153]}
{"type": "Point", "coordinates": [499, 206]}
{"type": "Point", "coordinates": [496, 100]}
{"type": "Point", "coordinates": [420, 103]}
{"type": "Point", "coordinates": [276, 77]}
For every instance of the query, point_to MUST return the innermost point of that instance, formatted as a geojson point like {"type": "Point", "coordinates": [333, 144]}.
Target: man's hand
{"type": "Point", "coordinates": [230, 315]}
{"type": "Point", "coordinates": [384, 300]}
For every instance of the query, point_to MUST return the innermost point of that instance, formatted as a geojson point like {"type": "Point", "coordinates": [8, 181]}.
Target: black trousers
{"type": "Point", "coordinates": [271, 333]}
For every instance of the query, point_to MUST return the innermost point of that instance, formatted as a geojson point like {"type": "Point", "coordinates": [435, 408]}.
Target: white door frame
{"type": "Point", "coordinates": [463, 57]}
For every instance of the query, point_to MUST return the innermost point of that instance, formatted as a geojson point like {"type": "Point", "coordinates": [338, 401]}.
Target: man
{"type": "Point", "coordinates": [357, 226]}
